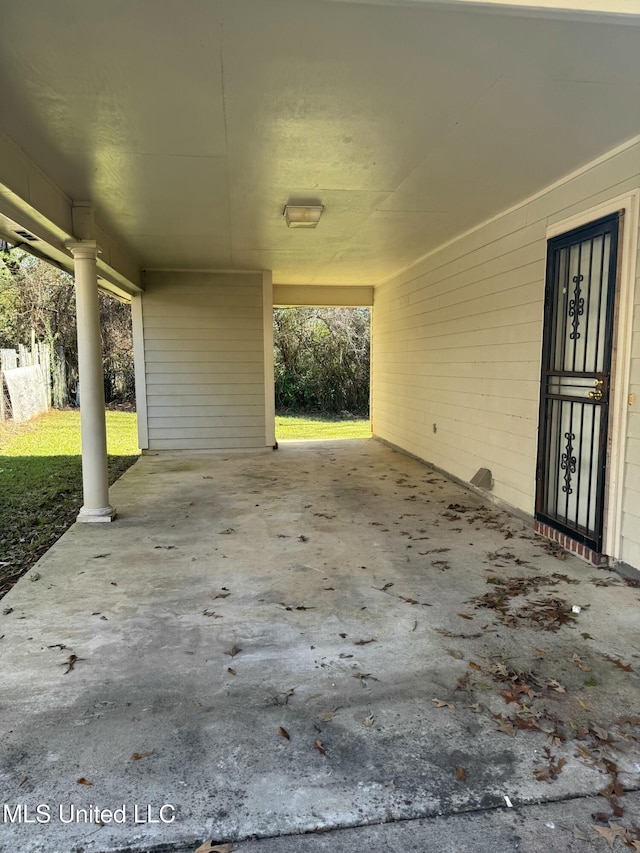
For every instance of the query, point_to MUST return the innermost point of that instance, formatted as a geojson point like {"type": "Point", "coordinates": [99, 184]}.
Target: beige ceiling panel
{"type": "Point", "coordinates": [82, 79]}
{"type": "Point", "coordinates": [164, 195]}
{"type": "Point", "coordinates": [195, 251]}
{"type": "Point", "coordinates": [190, 123]}
{"type": "Point", "coordinates": [334, 98]}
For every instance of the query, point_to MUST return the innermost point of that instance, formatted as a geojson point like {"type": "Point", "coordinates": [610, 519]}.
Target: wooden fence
{"type": "Point", "coordinates": [52, 363]}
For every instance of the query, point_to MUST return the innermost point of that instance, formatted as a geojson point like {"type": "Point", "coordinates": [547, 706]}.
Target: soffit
{"type": "Point", "coordinates": [190, 123]}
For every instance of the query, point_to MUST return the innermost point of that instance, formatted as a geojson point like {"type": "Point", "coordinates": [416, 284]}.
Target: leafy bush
{"type": "Point", "coordinates": [322, 360]}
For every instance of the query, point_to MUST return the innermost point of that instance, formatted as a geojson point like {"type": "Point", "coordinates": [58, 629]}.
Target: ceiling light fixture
{"type": "Point", "coordinates": [302, 216]}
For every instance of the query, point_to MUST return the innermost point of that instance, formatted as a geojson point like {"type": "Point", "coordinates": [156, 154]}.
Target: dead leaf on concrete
{"type": "Point", "coordinates": [83, 781]}
{"type": "Point", "coordinates": [231, 670]}
{"type": "Point", "coordinates": [440, 703]}
{"type": "Point", "coordinates": [385, 587]}
{"type": "Point", "coordinates": [599, 732]}
{"type": "Point", "coordinates": [364, 676]}
{"type": "Point", "coordinates": [610, 833]}
{"type": "Point", "coordinates": [137, 756]}
{"type": "Point", "coordinates": [226, 532]}
{"type": "Point", "coordinates": [233, 651]}
{"type": "Point", "coordinates": [369, 720]}
{"type": "Point", "coordinates": [452, 635]}
{"type": "Point", "coordinates": [284, 733]}
{"type": "Point", "coordinates": [454, 653]}
{"type": "Point", "coordinates": [580, 835]}
{"type": "Point", "coordinates": [303, 538]}
{"type": "Point", "coordinates": [70, 663]}
{"type": "Point", "coordinates": [461, 776]}
{"type": "Point", "coordinates": [209, 846]}
{"type": "Point", "coordinates": [577, 661]}
{"type": "Point", "coordinates": [505, 727]}
{"type": "Point", "coordinates": [625, 667]}
{"type": "Point", "coordinates": [318, 745]}
{"type": "Point", "coordinates": [221, 595]}
{"type": "Point", "coordinates": [549, 772]}
{"type": "Point", "coordinates": [326, 716]}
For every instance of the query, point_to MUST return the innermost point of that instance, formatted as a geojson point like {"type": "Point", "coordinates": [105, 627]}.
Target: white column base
{"type": "Point", "coordinates": [105, 513]}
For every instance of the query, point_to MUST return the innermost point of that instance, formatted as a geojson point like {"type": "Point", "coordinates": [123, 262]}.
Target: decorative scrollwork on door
{"type": "Point", "coordinates": [576, 307]}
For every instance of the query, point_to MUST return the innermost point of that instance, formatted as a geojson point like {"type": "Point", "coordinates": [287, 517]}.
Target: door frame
{"type": "Point", "coordinates": [629, 205]}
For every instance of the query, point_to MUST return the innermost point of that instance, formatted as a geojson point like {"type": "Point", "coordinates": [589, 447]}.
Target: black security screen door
{"type": "Point", "coordinates": [576, 374]}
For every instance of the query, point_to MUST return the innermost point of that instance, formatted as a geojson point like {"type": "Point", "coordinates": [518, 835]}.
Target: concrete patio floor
{"type": "Point", "coordinates": [276, 643]}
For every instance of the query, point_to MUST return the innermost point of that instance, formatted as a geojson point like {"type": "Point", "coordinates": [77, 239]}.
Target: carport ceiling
{"type": "Point", "coordinates": [190, 123]}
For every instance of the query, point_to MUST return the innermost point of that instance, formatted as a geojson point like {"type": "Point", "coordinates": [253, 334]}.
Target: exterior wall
{"type": "Point", "coordinates": [457, 342]}
{"type": "Point", "coordinates": [204, 360]}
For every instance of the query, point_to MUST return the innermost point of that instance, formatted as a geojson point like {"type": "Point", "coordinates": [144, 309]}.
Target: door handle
{"type": "Point", "coordinates": [597, 394]}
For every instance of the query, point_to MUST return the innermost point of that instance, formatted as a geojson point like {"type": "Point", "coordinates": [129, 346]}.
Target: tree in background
{"type": "Point", "coordinates": [321, 360]}
{"type": "Point", "coordinates": [34, 295]}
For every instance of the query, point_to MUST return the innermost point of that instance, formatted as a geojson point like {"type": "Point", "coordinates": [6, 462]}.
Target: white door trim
{"type": "Point", "coordinates": [629, 202]}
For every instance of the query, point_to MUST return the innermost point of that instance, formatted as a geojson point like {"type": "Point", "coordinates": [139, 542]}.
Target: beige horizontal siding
{"type": "Point", "coordinates": [457, 342]}
{"type": "Point", "coordinates": [204, 361]}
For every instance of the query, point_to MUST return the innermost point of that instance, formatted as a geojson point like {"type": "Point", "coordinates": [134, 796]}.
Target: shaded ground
{"type": "Point", "coordinates": [328, 636]}
{"type": "Point", "coordinates": [41, 483]}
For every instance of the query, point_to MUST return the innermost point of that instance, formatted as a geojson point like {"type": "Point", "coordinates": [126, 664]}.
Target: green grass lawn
{"type": "Point", "coordinates": [301, 427]}
{"type": "Point", "coordinates": [41, 482]}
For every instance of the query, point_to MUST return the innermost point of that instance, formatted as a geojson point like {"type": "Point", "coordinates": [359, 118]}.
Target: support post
{"type": "Point", "coordinates": [95, 478]}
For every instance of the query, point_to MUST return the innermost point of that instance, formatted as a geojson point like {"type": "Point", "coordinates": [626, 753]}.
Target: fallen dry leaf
{"type": "Point", "coordinates": [83, 781]}
{"type": "Point", "coordinates": [454, 653]}
{"type": "Point", "coordinates": [285, 734]}
{"type": "Point", "coordinates": [138, 755]}
{"type": "Point", "coordinates": [226, 532]}
{"type": "Point", "coordinates": [577, 661]}
{"type": "Point", "coordinates": [610, 833]}
{"type": "Point", "coordinates": [475, 666]}
{"type": "Point", "coordinates": [231, 670]}
{"type": "Point", "coordinates": [580, 835]}
{"type": "Point", "coordinates": [625, 667]}
{"type": "Point", "coordinates": [210, 847]}
{"type": "Point", "coordinates": [70, 663]}
{"type": "Point", "coordinates": [599, 732]}
{"type": "Point", "coordinates": [461, 776]}
{"type": "Point", "coordinates": [440, 703]}
{"type": "Point", "coordinates": [369, 721]}
{"type": "Point", "coordinates": [542, 773]}
{"type": "Point", "coordinates": [318, 745]}
{"type": "Point", "coordinates": [326, 716]}
{"type": "Point", "coordinates": [233, 651]}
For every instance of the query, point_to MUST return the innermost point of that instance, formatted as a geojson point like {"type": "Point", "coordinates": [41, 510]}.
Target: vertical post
{"type": "Point", "coordinates": [269, 379]}
{"type": "Point", "coordinates": [95, 480]}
